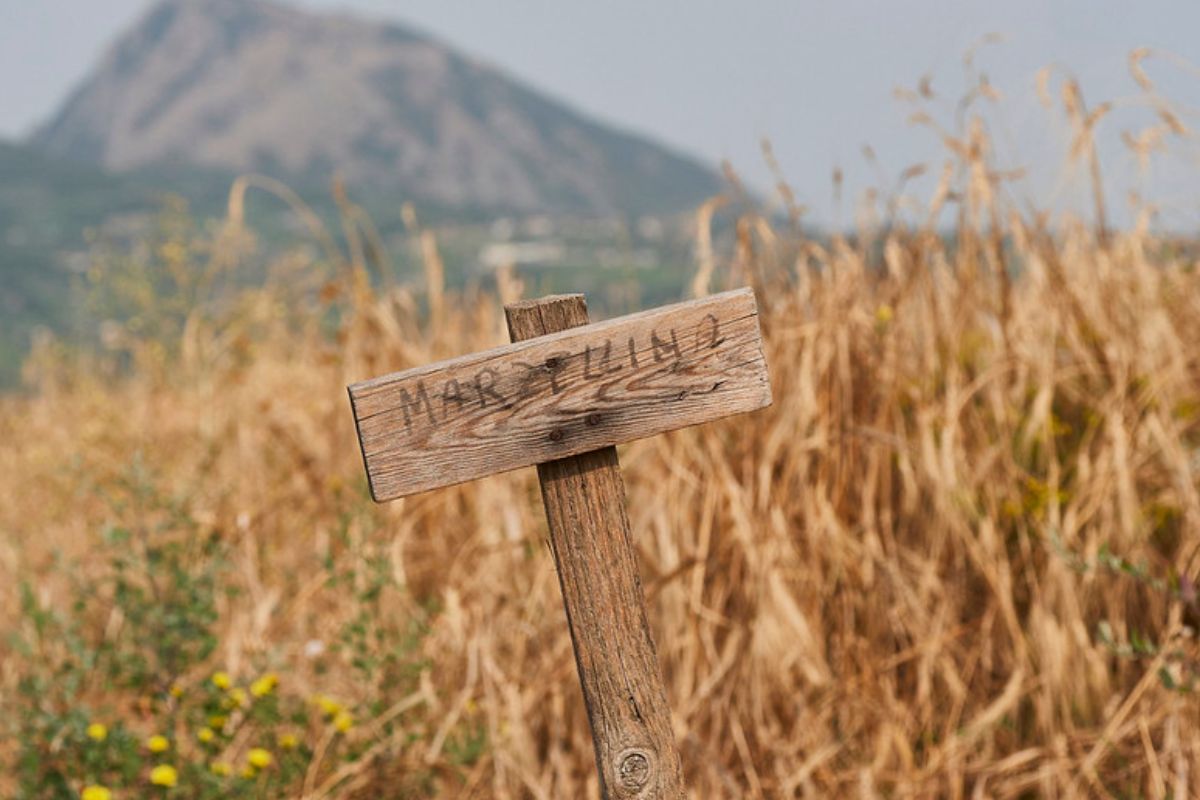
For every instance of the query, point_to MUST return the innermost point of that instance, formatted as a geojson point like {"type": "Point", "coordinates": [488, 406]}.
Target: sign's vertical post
{"type": "Point", "coordinates": [590, 537]}
{"type": "Point", "coordinates": [562, 396]}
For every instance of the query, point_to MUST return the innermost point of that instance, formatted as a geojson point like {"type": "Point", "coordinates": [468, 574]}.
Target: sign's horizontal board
{"type": "Point", "coordinates": [561, 395]}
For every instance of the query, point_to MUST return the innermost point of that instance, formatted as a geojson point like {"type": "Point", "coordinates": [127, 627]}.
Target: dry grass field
{"type": "Point", "coordinates": [956, 558]}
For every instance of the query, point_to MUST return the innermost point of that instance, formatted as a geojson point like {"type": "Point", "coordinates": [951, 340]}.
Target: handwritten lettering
{"type": "Point", "coordinates": [452, 392]}
{"type": "Point", "coordinates": [506, 385]}
{"type": "Point", "coordinates": [605, 366]}
{"type": "Point", "coordinates": [663, 348]}
{"type": "Point", "coordinates": [410, 405]}
{"type": "Point", "coordinates": [485, 383]}
{"type": "Point", "coordinates": [708, 333]}
{"type": "Point", "coordinates": [554, 365]}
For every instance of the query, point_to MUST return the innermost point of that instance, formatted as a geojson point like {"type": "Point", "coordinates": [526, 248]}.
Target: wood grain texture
{"type": "Point", "coordinates": [562, 394]}
{"type": "Point", "coordinates": [602, 593]}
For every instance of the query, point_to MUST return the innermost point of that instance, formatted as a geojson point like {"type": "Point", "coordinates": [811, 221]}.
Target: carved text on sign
{"type": "Point", "coordinates": [596, 364]}
{"type": "Point", "coordinates": [562, 394]}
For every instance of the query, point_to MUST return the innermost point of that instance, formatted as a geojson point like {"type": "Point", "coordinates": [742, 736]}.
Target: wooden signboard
{"type": "Point", "coordinates": [561, 396]}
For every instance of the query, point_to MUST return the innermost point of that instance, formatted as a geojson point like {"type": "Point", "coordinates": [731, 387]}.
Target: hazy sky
{"type": "Point", "coordinates": [713, 78]}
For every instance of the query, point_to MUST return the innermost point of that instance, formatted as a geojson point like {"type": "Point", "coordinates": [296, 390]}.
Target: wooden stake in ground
{"type": "Point", "coordinates": [561, 397]}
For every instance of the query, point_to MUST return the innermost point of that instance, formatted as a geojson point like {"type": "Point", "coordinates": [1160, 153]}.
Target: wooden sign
{"type": "Point", "coordinates": [561, 394]}
{"type": "Point", "coordinates": [561, 397]}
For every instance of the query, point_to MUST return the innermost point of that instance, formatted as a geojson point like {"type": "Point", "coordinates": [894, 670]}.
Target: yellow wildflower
{"type": "Point", "coordinates": [217, 721]}
{"type": "Point", "coordinates": [176, 690]}
{"type": "Point", "coordinates": [221, 680]}
{"type": "Point", "coordinates": [259, 758]}
{"type": "Point", "coordinates": [264, 685]}
{"type": "Point", "coordinates": [97, 732]}
{"type": "Point", "coordinates": [95, 792]}
{"type": "Point", "coordinates": [329, 707]}
{"type": "Point", "coordinates": [343, 721]}
{"type": "Point", "coordinates": [288, 741]}
{"type": "Point", "coordinates": [205, 735]}
{"type": "Point", "coordinates": [220, 768]}
{"type": "Point", "coordinates": [158, 744]}
{"type": "Point", "coordinates": [164, 775]}
{"type": "Point", "coordinates": [248, 772]}
{"type": "Point", "coordinates": [238, 696]}
{"type": "Point", "coordinates": [884, 314]}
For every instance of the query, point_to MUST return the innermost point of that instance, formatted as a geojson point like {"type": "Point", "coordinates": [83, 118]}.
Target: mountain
{"type": "Point", "coordinates": [244, 85]}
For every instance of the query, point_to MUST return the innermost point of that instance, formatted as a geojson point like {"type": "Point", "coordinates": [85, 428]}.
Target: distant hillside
{"type": "Point", "coordinates": [243, 85]}
{"type": "Point", "coordinates": [45, 206]}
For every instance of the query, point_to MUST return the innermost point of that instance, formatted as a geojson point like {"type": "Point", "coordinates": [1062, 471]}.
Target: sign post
{"type": "Point", "coordinates": [561, 396]}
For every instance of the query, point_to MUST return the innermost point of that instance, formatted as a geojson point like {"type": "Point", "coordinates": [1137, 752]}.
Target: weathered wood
{"type": "Point", "coordinates": [598, 572]}
{"type": "Point", "coordinates": [562, 394]}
